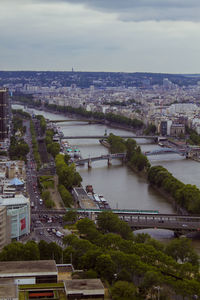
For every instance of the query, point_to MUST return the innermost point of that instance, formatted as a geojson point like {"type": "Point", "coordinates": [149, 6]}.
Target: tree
{"type": "Point", "coordinates": [107, 222]}
{"type": "Point", "coordinates": [70, 216]}
{"type": "Point", "coordinates": [85, 225]}
{"type": "Point", "coordinates": [150, 280]}
{"type": "Point", "coordinates": [53, 148]}
{"type": "Point", "coordinates": [181, 250]}
{"type": "Point", "coordinates": [105, 267]}
{"type": "Point", "coordinates": [31, 251]}
{"type": "Point", "coordinates": [123, 290]}
{"type": "Point", "coordinates": [65, 195]}
{"type": "Point", "coordinates": [19, 251]}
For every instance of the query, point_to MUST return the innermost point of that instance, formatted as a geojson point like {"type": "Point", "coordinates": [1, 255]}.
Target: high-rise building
{"type": "Point", "coordinates": [5, 237]}
{"type": "Point", "coordinates": [3, 114]}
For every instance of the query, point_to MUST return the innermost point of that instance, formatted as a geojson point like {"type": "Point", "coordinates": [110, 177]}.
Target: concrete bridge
{"type": "Point", "coordinates": [107, 157]}
{"type": "Point", "coordinates": [141, 219]}
{"type": "Point", "coordinates": [77, 120]}
{"type": "Point", "coordinates": [178, 223]}
{"type": "Point", "coordinates": [122, 156]}
{"type": "Point", "coordinates": [105, 137]}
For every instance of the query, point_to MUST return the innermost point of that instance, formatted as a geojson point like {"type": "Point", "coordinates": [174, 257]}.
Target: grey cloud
{"type": "Point", "coordinates": [143, 10]}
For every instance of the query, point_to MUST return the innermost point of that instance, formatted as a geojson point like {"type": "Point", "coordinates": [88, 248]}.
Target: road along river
{"type": "Point", "coordinates": [121, 186]}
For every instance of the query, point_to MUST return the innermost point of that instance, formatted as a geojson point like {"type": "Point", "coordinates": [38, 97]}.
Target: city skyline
{"type": "Point", "coordinates": [92, 35]}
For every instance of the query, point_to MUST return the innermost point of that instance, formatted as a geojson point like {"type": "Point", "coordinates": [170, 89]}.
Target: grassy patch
{"type": "Point", "coordinates": [40, 285]}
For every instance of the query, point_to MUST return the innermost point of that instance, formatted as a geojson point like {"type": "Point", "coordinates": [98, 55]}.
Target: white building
{"type": "Point", "coordinates": [18, 209]}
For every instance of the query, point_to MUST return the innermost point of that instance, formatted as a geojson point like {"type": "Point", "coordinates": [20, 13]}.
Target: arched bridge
{"type": "Point", "coordinates": [178, 223]}
{"type": "Point", "coordinates": [166, 151]}
{"type": "Point", "coordinates": [107, 157]}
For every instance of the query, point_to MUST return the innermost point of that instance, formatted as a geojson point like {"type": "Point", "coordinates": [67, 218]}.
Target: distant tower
{"type": "Point", "coordinates": [3, 114]}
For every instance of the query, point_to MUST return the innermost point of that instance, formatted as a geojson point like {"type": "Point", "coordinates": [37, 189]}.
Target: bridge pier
{"type": "Point", "coordinates": [109, 161]}
{"type": "Point", "coordinates": [89, 164]}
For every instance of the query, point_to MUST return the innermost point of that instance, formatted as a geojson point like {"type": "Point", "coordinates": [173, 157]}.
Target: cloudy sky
{"type": "Point", "coordinates": [100, 35]}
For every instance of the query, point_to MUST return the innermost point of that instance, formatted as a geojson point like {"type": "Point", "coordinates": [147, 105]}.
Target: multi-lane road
{"type": "Point", "coordinates": [41, 223]}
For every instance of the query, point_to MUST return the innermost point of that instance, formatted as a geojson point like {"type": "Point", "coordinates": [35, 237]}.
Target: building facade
{"type": "Point", "coordinates": [18, 210]}
{"type": "Point", "coordinates": [3, 114]}
{"type": "Point", "coordinates": [4, 227]}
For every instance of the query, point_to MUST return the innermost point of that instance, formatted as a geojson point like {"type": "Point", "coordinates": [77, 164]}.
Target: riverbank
{"type": "Point", "coordinates": [75, 115]}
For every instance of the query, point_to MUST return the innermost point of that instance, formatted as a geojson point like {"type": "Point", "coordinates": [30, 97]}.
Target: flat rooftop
{"type": "Point", "coordinates": [34, 267]}
{"type": "Point", "coordinates": [7, 289]}
{"type": "Point", "coordinates": [83, 285]}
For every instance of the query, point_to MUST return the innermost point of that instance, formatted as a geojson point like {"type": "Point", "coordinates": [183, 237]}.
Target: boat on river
{"type": "Point", "coordinates": [98, 199]}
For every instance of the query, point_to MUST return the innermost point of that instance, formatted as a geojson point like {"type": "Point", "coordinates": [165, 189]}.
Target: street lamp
{"type": "Point", "coordinates": [158, 288]}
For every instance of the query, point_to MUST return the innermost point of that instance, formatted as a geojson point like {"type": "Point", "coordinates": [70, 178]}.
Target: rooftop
{"type": "Point", "coordinates": [13, 268]}
{"type": "Point", "coordinates": [7, 289]}
{"type": "Point", "coordinates": [17, 200]}
{"type": "Point", "coordinates": [83, 285]}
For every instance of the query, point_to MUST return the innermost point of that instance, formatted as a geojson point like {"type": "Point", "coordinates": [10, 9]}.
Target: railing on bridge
{"type": "Point", "coordinates": [116, 211]}
{"type": "Point", "coordinates": [165, 151]}
{"type": "Point", "coordinates": [104, 137]}
{"type": "Point", "coordinates": [102, 157]}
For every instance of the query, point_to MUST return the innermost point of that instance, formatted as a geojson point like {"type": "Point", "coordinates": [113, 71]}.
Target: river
{"type": "Point", "coordinates": [121, 186]}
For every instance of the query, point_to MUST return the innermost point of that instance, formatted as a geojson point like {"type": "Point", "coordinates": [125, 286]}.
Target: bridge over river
{"type": "Point", "coordinates": [110, 157]}
{"type": "Point", "coordinates": [154, 137]}
{"type": "Point", "coordinates": [141, 219]}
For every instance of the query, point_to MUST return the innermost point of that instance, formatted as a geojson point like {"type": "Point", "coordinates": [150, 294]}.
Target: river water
{"type": "Point", "coordinates": [121, 186]}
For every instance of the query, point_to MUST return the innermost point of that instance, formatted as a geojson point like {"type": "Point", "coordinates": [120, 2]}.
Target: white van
{"type": "Point", "coordinates": [41, 201]}
{"type": "Point", "coordinates": [59, 234]}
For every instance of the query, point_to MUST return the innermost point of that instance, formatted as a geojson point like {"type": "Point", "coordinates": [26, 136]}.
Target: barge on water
{"type": "Point", "coordinates": [98, 199]}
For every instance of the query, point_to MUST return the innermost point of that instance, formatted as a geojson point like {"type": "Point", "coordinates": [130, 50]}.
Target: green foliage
{"type": "Point", "coordinates": [46, 182]}
{"type": "Point", "coordinates": [109, 222]}
{"type": "Point", "coordinates": [181, 250]}
{"type": "Point", "coordinates": [26, 99]}
{"type": "Point", "coordinates": [134, 123]}
{"type": "Point", "coordinates": [46, 196]}
{"type": "Point", "coordinates": [68, 177]}
{"type": "Point", "coordinates": [140, 161]}
{"type": "Point", "coordinates": [65, 195]}
{"type": "Point", "coordinates": [185, 195]}
{"type": "Point", "coordinates": [50, 251]}
{"type": "Point", "coordinates": [35, 145]}
{"type": "Point", "coordinates": [70, 216]}
{"type": "Point", "coordinates": [151, 129]}
{"type": "Point", "coordinates": [85, 225]}
{"type": "Point", "coordinates": [133, 152]}
{"type": "Point", "coordinates": [42, 123]}
{"type": "Point", "coordinates": [140, 262]}
{"type": "Point", "coordinates": [18, 251]}
{"type": "Point", "coordinates": [53, 149]}
{"type": "Point", "coordinates": [117, 144]}
{"type": "Point", "coordinates": [123, 290]}
{"type": "Point", "coordinates": [21, 113]}
{"type": "Point", "coordinates": [18, 125]}
{"type": "Point", "coordinates": [18, 149]}
{"type": "Point", "coordinates": [194, 137]}
{"type": "Point", "coordinates": [105, 267]}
